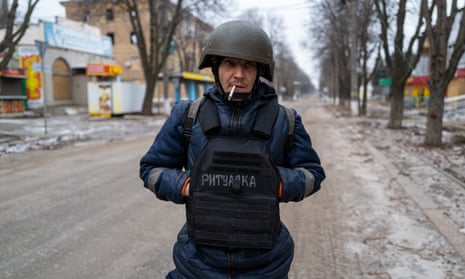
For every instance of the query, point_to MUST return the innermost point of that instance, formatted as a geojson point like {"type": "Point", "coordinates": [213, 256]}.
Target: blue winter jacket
{"type": "Point", "coordinates": [164, 169]}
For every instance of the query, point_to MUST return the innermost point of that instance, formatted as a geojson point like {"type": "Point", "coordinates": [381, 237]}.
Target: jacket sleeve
{"type": "Point", "coordinates": [161, 168]}
{"type": "Point", "coordinates": [302, 172]}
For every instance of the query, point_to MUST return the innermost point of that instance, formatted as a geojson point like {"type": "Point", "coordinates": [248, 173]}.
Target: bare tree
{"type": "Point", "coordinates": [153, 51]}
{"type": "Point", "coordinates": [400, 61]}
{"type": "Point", "coordinates": [3, 13]}
{"type": "Point", "coordinates": [13, 33]}
{"type": "Point", "coordinates": [368, 44]}
{"type": "Point", "coordinates": [328, 76]}
{"type": "Point", "coordinates": [329, 30]}
{"type": "Point", "coordinates": [345, 48]}
{"type": "Point", "coordinates": [188, 41]}
{"type": "Point", "coordinates": [286, 72]}
{"type": "Point", "coordinates": [442, 69]}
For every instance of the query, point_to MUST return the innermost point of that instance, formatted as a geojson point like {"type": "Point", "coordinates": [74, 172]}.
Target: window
{"type": "Point", "coordinates": [133, 38]}
{"type": "Point", "coordinates": [112, 37]}
{"type": "Point", "coordinates": [109, 15]}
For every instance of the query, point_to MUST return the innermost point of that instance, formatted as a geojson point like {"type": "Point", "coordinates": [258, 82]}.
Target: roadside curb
{"type": "Point", "coordinates": [434, 214]}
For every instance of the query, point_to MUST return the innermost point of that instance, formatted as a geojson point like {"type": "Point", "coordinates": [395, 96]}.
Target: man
{"type": "Point", "coordinates": [231, 162]}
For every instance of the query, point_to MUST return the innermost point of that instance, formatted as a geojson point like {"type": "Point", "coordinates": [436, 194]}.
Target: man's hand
{"type": "Point", "coordinates": [185, 188]}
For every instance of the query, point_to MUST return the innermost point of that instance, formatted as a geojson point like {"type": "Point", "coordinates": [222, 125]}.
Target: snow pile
{"type": "Point", "coordinates": [26, 134]}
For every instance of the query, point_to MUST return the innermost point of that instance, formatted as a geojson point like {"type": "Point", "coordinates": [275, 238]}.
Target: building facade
{"type": "Point", "coordinates": [112, 19]}
{"type": "Point", "coordinates": [417, 92]}
{"type": "Point", "coordinates": [67, 47]}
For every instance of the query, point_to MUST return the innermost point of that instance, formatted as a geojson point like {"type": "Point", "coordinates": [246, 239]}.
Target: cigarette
{"type": "Point", "coordinates": [231, 93]}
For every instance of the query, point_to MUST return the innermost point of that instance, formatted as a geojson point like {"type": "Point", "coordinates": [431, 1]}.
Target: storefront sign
{"type": "Point", "coordinates": [19, 73]}
{"type": "Point", "coordinates": [101, 69]}
{"type": "Point", "coordinates": [420, 80]}
{"type": "Point", "coordinates": [73, 39]}
{"type": "Point", "coordinates": [385, 82]}
{"type": "Point", "coordinates": [29, 56]}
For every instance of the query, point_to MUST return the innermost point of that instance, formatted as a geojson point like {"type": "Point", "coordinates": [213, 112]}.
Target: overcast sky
{"type": "Point", "coordinates": [293, 13]}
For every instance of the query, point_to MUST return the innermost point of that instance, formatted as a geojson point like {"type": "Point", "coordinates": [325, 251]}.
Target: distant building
{"type": "Point", "coordinates": [70, 47]}
{"type": "Point", "coordinates": [417, 92]}
{"type": "Point", "coordinates": [113, 21]}
{"type": "Point", "coordinates": [381, 83]}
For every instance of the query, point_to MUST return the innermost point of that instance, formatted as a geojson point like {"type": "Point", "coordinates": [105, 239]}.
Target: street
{"type": "Point", "coordinates": [82, 212]}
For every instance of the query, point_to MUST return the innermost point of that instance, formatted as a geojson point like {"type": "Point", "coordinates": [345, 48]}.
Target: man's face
{"type": "Point", "coordinates": [241, 73]}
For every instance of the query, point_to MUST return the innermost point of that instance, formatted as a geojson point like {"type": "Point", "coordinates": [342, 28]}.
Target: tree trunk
{"type": "Point", "coordinates": [148, 98]}
{"type": "Point", "coordinates": [434, 123]}
{"type": "Point", "coordinates": [397, 105]}
{"type": "Point", "coordinates": [337, 98]}
{"type": "Point", "coordinates": [400, 62]}
{"type": "Point", "coordinates": [363, 110]}
{"type": "Point", "coordinates": [345, 87]}
{"type": "Point", "coordinates": [444, 59]}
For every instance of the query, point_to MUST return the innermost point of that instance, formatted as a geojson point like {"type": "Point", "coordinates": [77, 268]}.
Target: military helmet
{"type": "Point", "coordinates": [242, 40]}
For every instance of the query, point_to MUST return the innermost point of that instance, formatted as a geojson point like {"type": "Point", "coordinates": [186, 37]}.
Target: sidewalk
{"type": "Point", "coordinates": [381, 212]}
{"type": "Point", "coordinates": [68, 126]}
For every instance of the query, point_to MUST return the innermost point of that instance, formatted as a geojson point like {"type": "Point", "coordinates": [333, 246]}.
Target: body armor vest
{"type": "Point", "coordinates": [234, 185]}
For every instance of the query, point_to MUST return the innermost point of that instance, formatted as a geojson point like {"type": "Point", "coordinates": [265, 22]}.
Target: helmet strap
{"type": "Point", "coordinates": [216, 61]}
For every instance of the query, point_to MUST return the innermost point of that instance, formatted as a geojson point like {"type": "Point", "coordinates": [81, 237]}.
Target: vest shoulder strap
{"type": "Point", "coordinates": [266, 116]}
{"type": "Point", "coordinates": [262, 126]}
{"type": "Point", "coordinates": [207, 120]}
{"type": "Point", "coordinates": [208, 117]}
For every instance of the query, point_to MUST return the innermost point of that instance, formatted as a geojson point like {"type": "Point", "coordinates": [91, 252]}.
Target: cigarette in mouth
{"type": "Point", "coordinates": [231, 93]}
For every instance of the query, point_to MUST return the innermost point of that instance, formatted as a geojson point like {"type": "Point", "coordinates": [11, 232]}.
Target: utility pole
{"type": "Point", "coordinates": [42, 48]}
{"type": "Point", "coordinates": [166, 95]}
{"type": "Point", "coordinates": [353, 56]}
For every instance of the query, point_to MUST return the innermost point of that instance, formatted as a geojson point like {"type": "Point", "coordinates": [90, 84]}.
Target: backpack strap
{"type": "Point", "coordinates": [290, 132]}
{"type": "Point", "coordinates": [190, 117]}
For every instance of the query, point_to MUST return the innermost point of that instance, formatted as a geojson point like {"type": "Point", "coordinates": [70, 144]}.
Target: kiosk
{"type": "Point", "coordinates": [107, 96]}
{"type": "Point", "coordinates": [13, 99]}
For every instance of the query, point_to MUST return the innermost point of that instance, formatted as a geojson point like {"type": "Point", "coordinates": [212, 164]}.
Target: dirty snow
{"type": "Point", "coordinates": [432, 168]}
{"type": "Point", "coordinates": [25, 134]}
{"type": "Point", "coordinates": [390, 236]}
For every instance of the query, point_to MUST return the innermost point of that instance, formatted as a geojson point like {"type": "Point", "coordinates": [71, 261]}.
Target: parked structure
{"type": "Point", "coordinates": [12, 94]}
